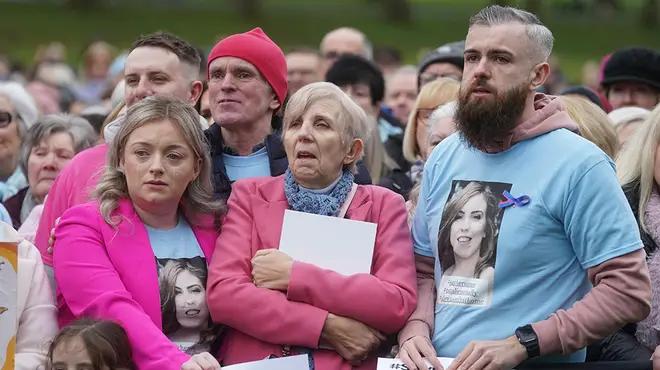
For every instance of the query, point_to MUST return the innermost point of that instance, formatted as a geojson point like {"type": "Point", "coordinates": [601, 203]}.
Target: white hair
{"type": "Point", "coordinates": [540, 36]}
{"type": "Point", "coordinates": [444, 111]}
{"type": "Point", "coordinates": [21, 100]}
{"type": "Point", "coordinates": [623, 116]}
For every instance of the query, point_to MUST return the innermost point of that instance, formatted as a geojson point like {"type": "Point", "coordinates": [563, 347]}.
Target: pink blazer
{"type": "Point", "coordinates": [263, 320]}
{"type": "Point", "coordinates": [111, 274]}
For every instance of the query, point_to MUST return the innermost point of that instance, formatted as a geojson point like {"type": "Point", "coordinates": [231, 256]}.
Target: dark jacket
{"type": "Point", "coordinates": [14, 204]}
{"type": "Point", "coordinates": [632, 194]}
{"type": "Point", "coordinates": [276, 155]}
{"type": "Point", "coordinates": [396, 179]}
{"type": "Point", "coordinates": [623, 345]}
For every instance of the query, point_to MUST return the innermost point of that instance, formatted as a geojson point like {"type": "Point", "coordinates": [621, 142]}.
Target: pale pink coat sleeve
{"type": "Point", "coordinates": [37, 324]}
{"type": "Point", "coordinates": [29, 227]}
{"type": "Point", "coordinates": [92, 287]}
{"type": "Point", "coordinates": [621, 295]}
{"type": "Point", "coordinates": [234, 300]}
{"type": "Point", "coordinates": [382, 300]}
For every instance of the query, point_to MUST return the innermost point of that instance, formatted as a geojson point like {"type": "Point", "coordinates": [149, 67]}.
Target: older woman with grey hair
{"type": "Point", "coordinates": [48, 146]}
{"type": "Point", "coordinates": [311, 309]}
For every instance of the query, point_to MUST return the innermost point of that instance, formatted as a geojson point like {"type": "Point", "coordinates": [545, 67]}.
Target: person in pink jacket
{"type": "Point", "coordinates": [176, 64]}
{"type": "Point", "coordinates": [137, 255]}
{"type": "Point", "coordinates": [276, 306]}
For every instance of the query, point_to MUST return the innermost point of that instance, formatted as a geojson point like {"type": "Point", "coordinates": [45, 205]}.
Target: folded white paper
{"type": "Point", "coordinates": [396, 364]}
{"type": "Point", "coordinates": [283, 363]}
{"type": "Point", "coordinates": [331, 243]}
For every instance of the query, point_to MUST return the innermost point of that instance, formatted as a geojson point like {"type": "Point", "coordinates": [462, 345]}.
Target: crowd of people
{"type": "Point", "coordinates": [518, 217]}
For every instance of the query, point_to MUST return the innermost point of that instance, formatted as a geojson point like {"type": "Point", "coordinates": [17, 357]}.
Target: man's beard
{"type": "Point", "coordinates": [485, 122]}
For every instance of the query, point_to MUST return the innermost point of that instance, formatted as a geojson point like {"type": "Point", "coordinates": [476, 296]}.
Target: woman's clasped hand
{"type": "Point", "coordinates": [352, 339]}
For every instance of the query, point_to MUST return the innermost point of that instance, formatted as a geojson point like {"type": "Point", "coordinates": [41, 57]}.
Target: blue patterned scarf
{"type": "Point", "coordinates": [302, 200]}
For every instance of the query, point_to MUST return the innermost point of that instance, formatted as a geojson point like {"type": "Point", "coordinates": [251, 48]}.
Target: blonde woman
{"type": "Point", "coordinates": [639, 175]}
{"type": "Point", "coordinates": [441, 126]}
{"type": "Point", "coordinates": [593, 122]}
{"type": "Point", "coordinates": [415, 138]}
{"type": "Point", "coordinates": [154, 202]}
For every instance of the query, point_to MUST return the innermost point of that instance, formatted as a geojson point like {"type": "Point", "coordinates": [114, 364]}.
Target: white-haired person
{"type": "Point", "coordinates": [310, 308]}
{"type": "Point", "coordinates": [626, 121]}
{"type": "Point", "coordinates": [18, 112]}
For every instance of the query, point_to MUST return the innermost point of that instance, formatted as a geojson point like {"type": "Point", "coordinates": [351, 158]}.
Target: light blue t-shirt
{"type": "Point", "coordinates": [182, 276]}
{"type": "Point", "coordinates": [501, 268]}
{"type": "Point", "coordinates": [253, 165]}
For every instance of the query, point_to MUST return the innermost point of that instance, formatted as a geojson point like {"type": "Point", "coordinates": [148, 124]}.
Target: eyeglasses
{"type": "Point", "coordinates": [7, 118]}
{"type": "Point", "coordinates": [423, 115]}
{"type": "Point", "coordinates": [427, 77]}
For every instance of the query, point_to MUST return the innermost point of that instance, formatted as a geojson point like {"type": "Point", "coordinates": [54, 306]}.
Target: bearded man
{"type": "Point", "coordinates": [525, 244]}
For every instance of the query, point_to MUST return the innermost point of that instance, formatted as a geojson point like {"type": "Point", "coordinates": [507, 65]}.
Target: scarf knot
{"type": "Point", "coordinates": [303, 200]}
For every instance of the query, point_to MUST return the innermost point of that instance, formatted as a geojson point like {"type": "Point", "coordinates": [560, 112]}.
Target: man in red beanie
{"type": "Point", "coordinates": [247, 86]}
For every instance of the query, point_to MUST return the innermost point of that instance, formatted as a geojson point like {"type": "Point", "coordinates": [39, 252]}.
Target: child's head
{"type": "Point", "coordinates": [91, 344]}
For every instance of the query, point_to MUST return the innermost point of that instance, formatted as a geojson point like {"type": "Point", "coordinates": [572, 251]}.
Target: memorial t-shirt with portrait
{"type": "Point", "coordinates": [182, 276]}
{"type": "Point", "coordinates": [514, 232]}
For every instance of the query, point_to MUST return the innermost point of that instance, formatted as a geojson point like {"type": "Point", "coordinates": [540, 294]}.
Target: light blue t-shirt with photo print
{"type": "Point", "coordinates": [182, 277]}
{"type": "Point", "coordinates": [562, 213]}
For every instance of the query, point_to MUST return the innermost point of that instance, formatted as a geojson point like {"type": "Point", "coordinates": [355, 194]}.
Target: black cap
{"type": "Point", "coordinates": [635, 64]}
{"type": "Point", "coordinates": [448, 53]}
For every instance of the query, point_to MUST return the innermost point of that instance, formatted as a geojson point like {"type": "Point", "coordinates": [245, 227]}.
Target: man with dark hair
{"type": "Point", "coordinates": [303, 68]}
{"type": "Point", "coordinates": [525, 245]}
{"type": "Point", "coordinates": [158, 64]}
{"type": "Point", "coordinates": [631, 78]}
{"type": "Point", "coordinates": [388, 59]}
{"type": "Point", "coordinates": [364, 83]}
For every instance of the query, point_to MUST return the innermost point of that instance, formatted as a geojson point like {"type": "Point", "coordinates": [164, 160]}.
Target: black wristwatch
{"type": "Point", "coordinates": [528, 338]}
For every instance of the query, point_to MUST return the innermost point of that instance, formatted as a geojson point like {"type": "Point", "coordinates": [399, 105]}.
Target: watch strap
{"type": "Point", "coordinates": [528, 338]}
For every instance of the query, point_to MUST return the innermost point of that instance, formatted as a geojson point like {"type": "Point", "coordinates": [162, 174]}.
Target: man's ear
{"type": "Point", "coordinates": [275, 104]}
{"type": "Point", "coordinates": [196, 90]}
{"type": "Point", "coordinates": [540, 75]}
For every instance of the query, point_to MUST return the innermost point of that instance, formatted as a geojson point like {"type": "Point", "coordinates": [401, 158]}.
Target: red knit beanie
{"type": "Point", "coordinates": [255, 47]}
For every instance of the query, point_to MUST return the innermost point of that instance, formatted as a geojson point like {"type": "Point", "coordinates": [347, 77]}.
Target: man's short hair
{"type": "Point", "coordinates": [388, 55]}
{"type": "Point", "coordinates": [540, 36]}
{"type": "Point", "coordinates": [182, 49]}
{"type": "Point", "coordinates": [354, 70]}
{"type": "Point", "coordinates": [304, 50]}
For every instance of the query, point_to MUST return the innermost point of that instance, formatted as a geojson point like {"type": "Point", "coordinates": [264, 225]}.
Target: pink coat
{"type": "Point", "coordinates": [111, 274]}
{"type": "Point", "coordinates": [263, 320]}
{"type": "Point", "coordinates": [73, 186]}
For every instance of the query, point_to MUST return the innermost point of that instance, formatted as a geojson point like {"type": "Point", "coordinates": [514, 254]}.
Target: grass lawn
{"type": "Point", "coordinates": [303, 22]}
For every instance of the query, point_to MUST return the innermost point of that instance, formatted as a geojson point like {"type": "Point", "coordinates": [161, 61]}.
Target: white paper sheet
{"type": "Point", "coordinates": [283, 363]}
{"type": "Point", "coordinates": [395, 364]}
{"type": "Point", "coordinates": [332, 243]}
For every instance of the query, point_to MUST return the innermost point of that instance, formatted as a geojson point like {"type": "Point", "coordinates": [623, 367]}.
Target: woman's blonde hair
{"type": "Point", "coordinates": [432, 95]}
{"type": "Point", "coordinates": [636, 161]}
{"type": "Point", "coordinates": [351, 118]}
{"type": "Point", "coordinates": [197, 200]}
{"type": "Point", "coordinates": [593, 122]}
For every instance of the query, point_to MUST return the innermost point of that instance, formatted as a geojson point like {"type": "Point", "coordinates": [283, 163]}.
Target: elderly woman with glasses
{"type": "Point", "coordinates": [276, 306]}
{"type": "Point", "coordinates": [17, 113]}
{"type": "Point", "coordinates": [48, 146]}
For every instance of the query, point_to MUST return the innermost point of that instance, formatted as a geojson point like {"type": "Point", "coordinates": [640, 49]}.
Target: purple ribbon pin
{"type": "Point", "coordinates": [521, 201]}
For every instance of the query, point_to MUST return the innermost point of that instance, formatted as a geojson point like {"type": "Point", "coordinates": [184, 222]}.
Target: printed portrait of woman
{"type": "Point", "coordinates": [467, 240]}
{"type": "Point", "coordinates": [186, 318]}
